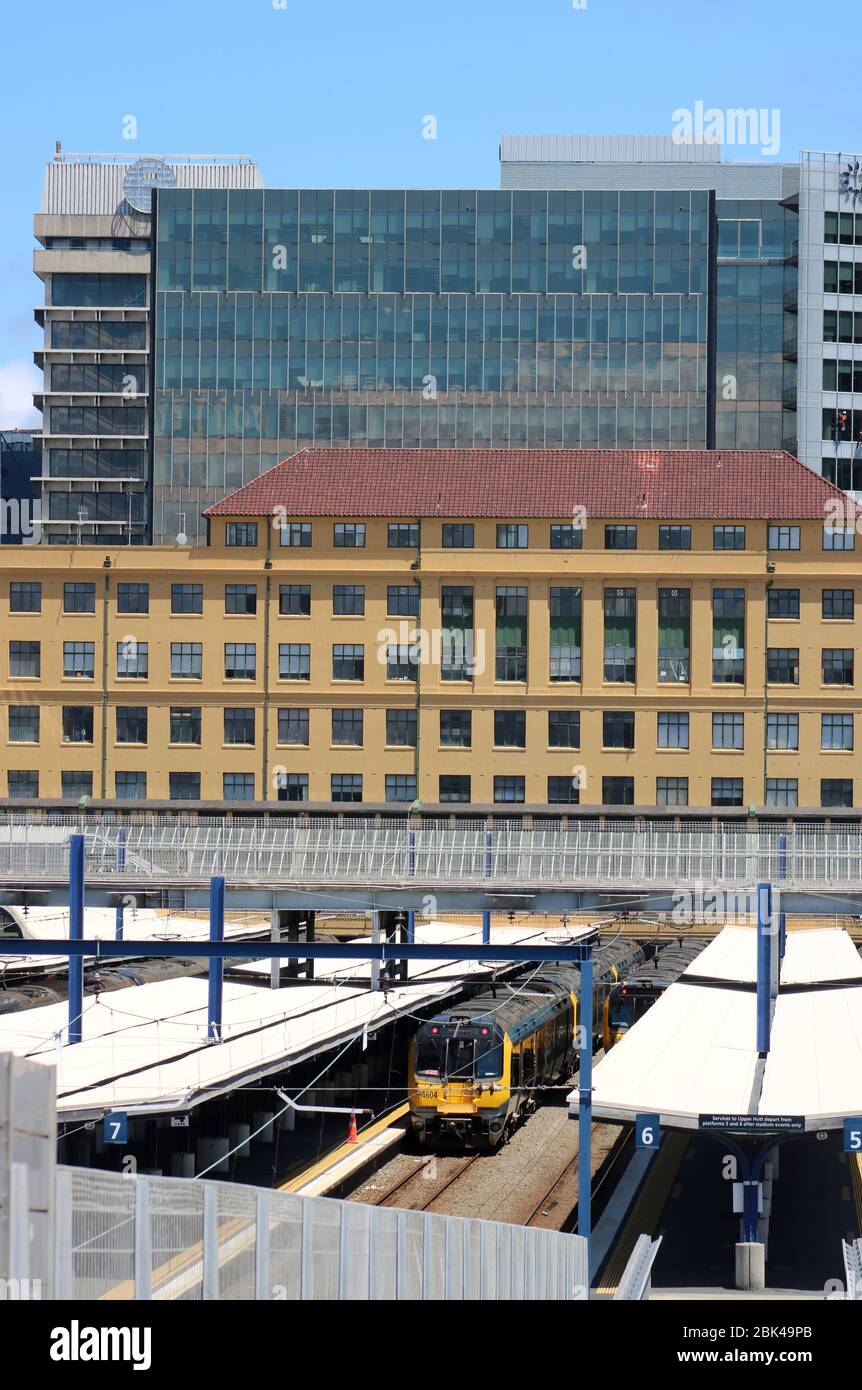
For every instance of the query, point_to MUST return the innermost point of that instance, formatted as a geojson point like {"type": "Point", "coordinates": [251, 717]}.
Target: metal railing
{"type": "Point", "coordinates": [636, 1281]}
{"type": "Point", "coordinates": [174, 1238]}
{"type": "Point", "coordinates": [397, 852]}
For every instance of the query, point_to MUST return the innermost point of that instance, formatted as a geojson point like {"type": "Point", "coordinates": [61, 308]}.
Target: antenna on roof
{"type": "Point", "coordinates": [58, 151]}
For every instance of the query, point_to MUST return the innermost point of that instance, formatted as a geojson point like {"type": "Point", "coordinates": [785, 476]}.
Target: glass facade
{"type": "Point", "coordinates": [405, 318]}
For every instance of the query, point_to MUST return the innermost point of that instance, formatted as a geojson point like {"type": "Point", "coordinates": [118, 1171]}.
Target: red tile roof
{"type": "Point", "coordinates": [500, 483]}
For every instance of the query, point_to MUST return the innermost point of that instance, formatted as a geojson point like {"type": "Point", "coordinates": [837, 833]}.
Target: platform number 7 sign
{"type": "Point", "coordinates": [115, 1129]}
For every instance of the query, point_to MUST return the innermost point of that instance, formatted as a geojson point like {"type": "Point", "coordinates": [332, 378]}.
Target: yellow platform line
{"type": "Point", "coordinates": [344, 1150]}
{"type": "Point", "coordinates": [647, 1209]}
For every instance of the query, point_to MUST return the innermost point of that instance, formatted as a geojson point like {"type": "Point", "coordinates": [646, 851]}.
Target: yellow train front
{"type": "Point", "coordinates": [479, 1067]}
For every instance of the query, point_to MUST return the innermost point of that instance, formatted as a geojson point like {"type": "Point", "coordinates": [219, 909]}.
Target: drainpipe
{"type": "Point", "coordinates": [103, 770]}
{"type": "Point", "coordinates": [267, 593]}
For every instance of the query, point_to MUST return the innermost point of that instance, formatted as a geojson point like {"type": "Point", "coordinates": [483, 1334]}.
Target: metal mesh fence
{"type": "Point", "coordinates": [172, 1238]}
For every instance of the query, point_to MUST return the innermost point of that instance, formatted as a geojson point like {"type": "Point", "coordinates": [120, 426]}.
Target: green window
{"type": "Point", "coordinates": [674, 635]}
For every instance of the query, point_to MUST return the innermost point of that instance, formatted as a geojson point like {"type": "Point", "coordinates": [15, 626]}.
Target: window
{"type": "Point", "coordinates": [728, 636]}
{"type": "Point", "coordinates": [836, 731]}
{"type": "Point", "coordinates": [25, 596]}
{"type": "Point", "coordinates": [782, 731]}
{"type": "Point", "coordinates": [187, 598]}
{"type": "Point", "coordinates": [79, 659]}
{"type": "Point", "coordinates": [564, 791]}
{"type": "Point", "coordinates": [672, 729]}
{"type": "Point", "coordinates": [239, 726]}
{"type": "Point", "coordinates": [25, 659]}
{"type": "Point", "coordinates": [348, 661]}
{"type": "Point", "coordinates": [130, 786]}
{"type": "Point", "coordinates": [456, 728]}
{"type": "Point", "coordinates": [837, 666]}
{"type": "Point", "coordinates": [457, 535]}
{"type": "Point", "coordinates": [21, 783]}
{"type": "Point", "coordinates": [455, 788]}
{"type": "Point", "coordinates": [837, 603]}
{"type": "Point", "coordinates": [184, 786]}
{"type": "Point", "coordinates": [240, 598]}
{"type": "Point", "coordinates": [23, 723]}
{"type": "Point", "coordinates": [77, 724]}
{"type": "Point", "coordinates": [671, 791]}
{"type": "Point", "coordinates": [403, 535]}
{"type": "Point", "coordinates": [621, 537]}
{"type": "Point", "coordinates": [295, 533]}
{"type": "Point", "coordinates": [348, 600]}
{"type": "Point", "coordinates": [782, 538]}
{"type": "Point", "coordinates": [674, 636]}
{"type": "Point", "coordinates": [510, 728]}
{"type": "Point", "coordinates": [782, 665]}
{"type": "Point", "coordinates": [838, 537]}
{"type": "Point", "coordinates": [782, 603]}
{"type": "Point", "coordinates": [726, 791]}
{"type": "Point", "coordinates": [348, 535]}
{"type": "Point", "coordinates": [79, 598]}
{"type": "Point", "coordinates": [728, 730]}
{"type": "Point", "coordinates": [456, 614]}
{"type": "Point", "coordinates": [346, 786]}
{"type": "Point", "coordinates": [240, 533]}
{"type": "Point", "coordinates": [836, 791]}
{"type": "Point", "coordinates": [511, 634]}
{"type": "Point", "coordinates": [842, 277]}
{"type": "Point", "coordinates": [294, 661]}
{"type": "Point", "coordinates": [401, 728]}
{"type": "Point", "coordinates": [400, 786]}
{"type": "Point", "coordinates": [133, 659]}
{"type": "Point", "coordinates": [619, 651]}
{"type": "Point", "coordinates": [402, 601]}
{"type": "Point", "coordinates": [618, 791]}
{"type": "Point", "coordinates": [842, 374]}
{"type": "Point", "coordinates": [186, 725]}
{"type": "Point", "coordinates": [132, 724]}
{"type": "Point", "coordinates": [567, 536]}
{"type": "Point", "coordinates": [782, 791]}
{"type": "Point", "coordinates": [618, 729]}
{"type": "Point", "coordinates": [75, 785]}
{"type": "Point", "coordinates": [509, 789]}
{"type": "Point", "coordinates": [728, 537]}
{"type": "Point", "coordinates": [293, 726]}
{"type": "Point", "coordinates": [347, 726]}
{"type": "Point", "coordinates": [238, 786]}
{"type": "Point", "coordinates": [133, 598]}
{"type": "Point", "coordinates": [292, 786]}
{"type": "Point", "coordinates": [240, 661]}
{"type": "Point", "coordinates": [512, 535]}
{"type": "Point", "coordinates": [674, 538]}
{"type": "Point", "coordinates": [841, 326]}
{"type": "Point", "coordinates": [186, 660]}
{"type": "Point", "coordinates": [401, 662]}
{"type": "Point", "coordinates": [564, 606]}
{"type": "Point", "coordinates": [564, 728]}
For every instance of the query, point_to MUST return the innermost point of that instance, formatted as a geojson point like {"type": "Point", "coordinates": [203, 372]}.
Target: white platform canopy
{"type": "Point", "coordinates": [694, 1052]}
{"type": "Point", "coordinates": [145, 1049]}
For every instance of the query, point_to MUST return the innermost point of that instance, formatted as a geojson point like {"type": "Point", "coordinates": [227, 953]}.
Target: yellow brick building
{"type": "Point", "coordinates": [462, 627]}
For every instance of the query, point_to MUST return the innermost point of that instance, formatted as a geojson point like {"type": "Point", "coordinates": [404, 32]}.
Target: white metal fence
{"type": "Point", "coordinates": [356, 852]}
{"type": "Point", "coordinates": [173, 1238]}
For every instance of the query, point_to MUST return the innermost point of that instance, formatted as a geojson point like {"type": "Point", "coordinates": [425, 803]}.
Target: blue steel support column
{"type": "Point", "coordinates": [411, 854]}
{"type": "Point", "coordinates": [764, 952]}
{"type": "Point", "coordinates": [488, 853]}
{"type": "Point", "coordinates": [121, 849]}
{"type": "Point", "coordinates": [216, 963]}
{"type": "Point", "coordinates": [782, 856]}
{"type": "Point", "coordinates": [782, 934]}
{"type": "Point", "coordinates": [486, 928]}
{"type": "Point", "coordinates": [411, 928]}
{"type": "Point", "coordinates": [585, 1100]}
{"type": "Point", "coordinates": [76, 933]}
{"type": "Point", "coordinates": [118, 922]}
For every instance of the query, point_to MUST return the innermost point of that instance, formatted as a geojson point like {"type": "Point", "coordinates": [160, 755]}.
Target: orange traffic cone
{"type": "Point", "coordinates": [352, 1136]}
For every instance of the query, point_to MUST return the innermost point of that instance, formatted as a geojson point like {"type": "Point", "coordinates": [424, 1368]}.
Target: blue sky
{"type": "Point", "coordinates": [333, 92]}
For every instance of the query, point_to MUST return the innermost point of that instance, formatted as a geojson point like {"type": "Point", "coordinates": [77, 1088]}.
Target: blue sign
{"type": "Point", "coordinates": [647, 1132]}
{"type": "Point", "coordinates": [115, 1128]}
{"type": "Point", "coordinates": [853, 1135]}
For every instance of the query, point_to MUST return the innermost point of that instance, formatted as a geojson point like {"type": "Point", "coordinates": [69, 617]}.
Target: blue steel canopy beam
{"type": "Point", "coordinates": [293, 950]}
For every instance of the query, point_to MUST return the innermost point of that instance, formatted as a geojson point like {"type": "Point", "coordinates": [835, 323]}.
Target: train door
{"type": "Point", "coordinates": [515, 1081]}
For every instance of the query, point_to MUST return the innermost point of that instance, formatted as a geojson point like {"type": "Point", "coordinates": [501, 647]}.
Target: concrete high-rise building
{"type": "Point", "coordinates": [94, 233]}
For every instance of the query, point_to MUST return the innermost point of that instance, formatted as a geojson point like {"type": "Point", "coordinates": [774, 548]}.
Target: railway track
{"type": "Point", "coordinates": [562, 1195]}
{"type": "Point", "coordinates": [420, 1189]}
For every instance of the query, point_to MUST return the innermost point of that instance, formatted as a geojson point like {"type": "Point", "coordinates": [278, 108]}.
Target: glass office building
{"type": "Point", "coordinates": [395, 318]}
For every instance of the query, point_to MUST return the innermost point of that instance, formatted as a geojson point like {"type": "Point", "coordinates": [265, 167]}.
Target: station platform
{"type": "Point", "coordinates": [145, 1050]}
{"type": "Point", "coordinates": [692, 1058]}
